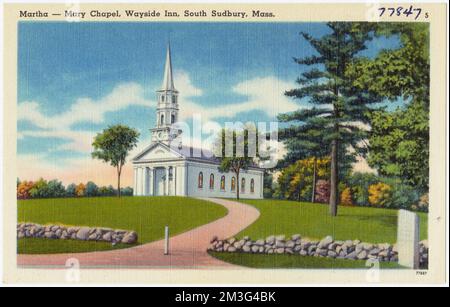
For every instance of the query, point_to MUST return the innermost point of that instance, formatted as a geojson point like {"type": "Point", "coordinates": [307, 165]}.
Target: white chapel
{"type": "Point", "coordinates": [164, 169]}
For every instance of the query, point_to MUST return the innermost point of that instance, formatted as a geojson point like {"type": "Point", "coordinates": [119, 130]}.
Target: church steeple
{"type": "Point", "coordinates": [168, 77]}
{"type": "Point", "coordinates": [167, 106]}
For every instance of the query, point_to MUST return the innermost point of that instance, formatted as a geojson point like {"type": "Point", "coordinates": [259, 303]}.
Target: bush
{"type": "Point", "coordinates": [55, 189]}
{"type": "Point", "coordinates": [91, 189]}
{"type": "Point", "coordinates": [346, 197]}
{"type": "Point", "coordinates": [322, 191]}
{"type": "Point", "coordinates": [23, 189]}
{"type": "Point", "coordinates": [379, 194]}
{"type": "Point", "coordinates": [80, 190]}
{"type": "Point", "coordinates": [71, 190]}
{"type": "Point", "coordinates": [423, 203]}
{"type": "Point", "coordinates": [128, 191]}
{"type": "Point", "coordinates": [40, 189]}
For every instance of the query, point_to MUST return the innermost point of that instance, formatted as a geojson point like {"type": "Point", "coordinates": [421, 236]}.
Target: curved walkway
{"type": "Point", "coordinates": [187, 250]}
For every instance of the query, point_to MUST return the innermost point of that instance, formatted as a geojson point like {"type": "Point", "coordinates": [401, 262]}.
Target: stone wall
{"type": "Point", "coordinates": [30, 230]}
{"type": "Point", "coordinates": [327, 247]}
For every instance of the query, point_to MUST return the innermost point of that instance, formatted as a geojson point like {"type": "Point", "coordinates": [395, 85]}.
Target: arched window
{"type": "Point", "coordinates": [243, 185]}
{"type": "Point", "coordinates": [233, 184]}
{"type": "Point", "coordinates": [252, 185]}
{"type": "Point", "coordinates": [200, 180]}
{"type": "Point", "coordinates": [222, 183]}
{"type": "Point", "coordinates": [174, 99]}
{"type": "Point", "coordinates": [162, 98]}
{"type": "Point", "coordinates": [172, 118]}
{"type": "Point", "coordinates": [162, 119]}
{"type": "Point", "coordinates": [211, 181]}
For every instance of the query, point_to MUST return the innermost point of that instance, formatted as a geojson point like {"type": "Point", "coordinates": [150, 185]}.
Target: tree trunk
{"type": "Point", "coordinates": [118, 183]}
{"type": "Point", "coordinates": [313, 194]}
{"type": "Point", "coordinates": [334, 178]}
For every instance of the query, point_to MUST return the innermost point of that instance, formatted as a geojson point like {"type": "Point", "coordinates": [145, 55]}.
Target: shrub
{"type": "Point", "coordinates": [423, 203]}
{"type": "Point", "coordinates": [346, 197]}
{"type": "Point", "coordinates": [128, 191]}
{"type": "Point", "coordinates": [91, 189]}
{"type": "Point", "coordinates": [322, 191]}
{"type": "Point", "coordinates": [379, 194]}
{"type": "Point", "coordinates": [23, 189]}
{"type": "Point", "coordinates": [55, 188]}
{"type": "Point", "coordinates": [40, 189]}
{"type": "Point", "coordinates": [80, 190]}
{"type": "Point", "coordinates": [71, 190]}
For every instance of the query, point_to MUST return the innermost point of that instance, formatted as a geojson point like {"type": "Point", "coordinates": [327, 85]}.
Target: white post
{"type": "Point", "coordinates": [408, 239]}
{"type": "Point", "coordinates": [166, 240]}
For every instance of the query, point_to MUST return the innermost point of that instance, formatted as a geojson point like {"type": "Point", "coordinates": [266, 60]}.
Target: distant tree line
{"type": "Point", "coordinates": [55, 189]}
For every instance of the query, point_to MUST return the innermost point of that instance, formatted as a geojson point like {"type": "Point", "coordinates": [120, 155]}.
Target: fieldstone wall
{"type": "Point", "coordinates": [30, 230]}
{"type": "Point", "coordinates": [327, 247]}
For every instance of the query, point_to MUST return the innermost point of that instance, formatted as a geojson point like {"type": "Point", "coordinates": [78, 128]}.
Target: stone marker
{"type": "Point", "coordinates": [408, 239]}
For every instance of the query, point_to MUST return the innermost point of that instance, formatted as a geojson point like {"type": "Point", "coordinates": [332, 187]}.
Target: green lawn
{"type": "Point", "coordinates": [145, 215]}
{"type": "Point", "coordinates": [313, 220]}
{"type": "Point", "coordinates": [295, 261]}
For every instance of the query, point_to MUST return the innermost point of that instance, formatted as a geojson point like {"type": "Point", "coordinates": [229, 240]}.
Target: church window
{"type": "Point", "coordinates": [162, 119]}
{"type": "Point", "coordinates": [211, 181]}
{"type": "Point", "coordinates": [252, 186]}
{"type": "Point", "coordinates": [222, 183]}
{"type": "Point", "coordinates": [162, 98]}
{"type": "Point", "coordinates": [243, 185]}
{"type": "Point", "coordinates": [200, 180]}
{"type": "Point", "coordinates": [174, 99]}
{"type": "Point", "coordinates": [172, 118]}
{"type": "Point", "coordinates": [233, 184]}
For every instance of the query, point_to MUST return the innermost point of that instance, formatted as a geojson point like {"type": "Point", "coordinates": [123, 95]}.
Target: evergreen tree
{"type": "Point", "coordinates": [335, 122]}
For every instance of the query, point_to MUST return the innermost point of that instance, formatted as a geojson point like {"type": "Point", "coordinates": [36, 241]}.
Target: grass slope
{"type": "Point", "coordinates": [145, 215]}
{"type": "Point", "coordinates": [295, 262]}
{"type": "Point", "coordinates": [372, 225]}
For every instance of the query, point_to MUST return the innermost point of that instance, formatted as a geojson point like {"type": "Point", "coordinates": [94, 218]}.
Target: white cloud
{"type": "Point", "coordinates": [85, 109]}
{"type": "Point", "coordinates": [263, 94]}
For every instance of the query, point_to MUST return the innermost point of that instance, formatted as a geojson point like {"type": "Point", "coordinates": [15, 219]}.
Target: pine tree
{"type": "Point", "coordinates": [335, 122]}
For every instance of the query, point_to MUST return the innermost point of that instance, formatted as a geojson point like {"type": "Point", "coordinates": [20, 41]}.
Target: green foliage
{"type": "Point", "coordinates": [399, 140]}
{"type": "Point", "coordinates": [399, 144]}
{"type": "Point", "coordinates": [113, 145]}
{"type": "Point", "coordinates": [240, 158]}
{"type": "Point", "coordinates": [296, 181]}
{"type": "Point", "coordinates": [40, 189]}
{"type": "Point", "coordinates": [399, 196]}
{"type": "Point", "coordinates": [91, 189]}
{"type": "Point", "coordinates": [333, 123]}
{"type": "Point", "coordinates": [55, 189]}
{"type": "Point", "coordinates": [71, 190]}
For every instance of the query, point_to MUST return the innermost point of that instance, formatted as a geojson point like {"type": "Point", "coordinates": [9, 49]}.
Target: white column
{"type": "Point", "coordinates": [139, 184]}
{"type": "Point", "coordinates": [175, 178]}
{"type": "Point", "coordinates": [167, 181]}
{"type": "Point", "coordinates": [135, 181]}
{"type": "Point", "coordinates": [144, 181]}
{"type": "Point", "coordinates": [185, 180]}
{"type": "Point", "coordinates": [151, 175]}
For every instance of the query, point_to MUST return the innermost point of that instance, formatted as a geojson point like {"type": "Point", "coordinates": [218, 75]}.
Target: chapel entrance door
{"type": "Point", "coordinates": [160, 174]}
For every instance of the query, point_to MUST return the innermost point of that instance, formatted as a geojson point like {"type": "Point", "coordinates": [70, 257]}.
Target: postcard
{"type": "Point", "coordinates": [252, 143]}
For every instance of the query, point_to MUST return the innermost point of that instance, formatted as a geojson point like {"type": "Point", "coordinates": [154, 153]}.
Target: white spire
{"type": "Point", "coordinates": [168, 78]}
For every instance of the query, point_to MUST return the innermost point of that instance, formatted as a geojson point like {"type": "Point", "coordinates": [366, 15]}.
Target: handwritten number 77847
{"type": "Point", "coordinates": [399, 11]}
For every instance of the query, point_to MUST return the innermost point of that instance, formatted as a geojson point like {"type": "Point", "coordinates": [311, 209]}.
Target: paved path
{"type": "Point", "coordinates": [187, 250]}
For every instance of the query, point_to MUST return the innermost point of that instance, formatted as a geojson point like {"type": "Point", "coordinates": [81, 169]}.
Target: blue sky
{"type": "Point", "coordinates": [77, 78]}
